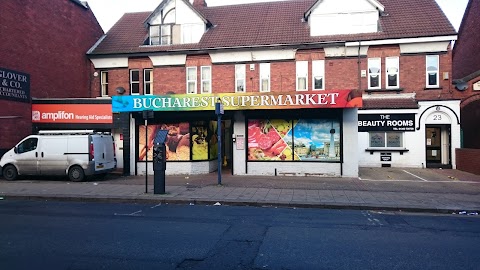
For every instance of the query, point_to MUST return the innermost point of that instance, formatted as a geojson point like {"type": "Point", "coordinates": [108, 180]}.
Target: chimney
{"type": "Point", "coordinates": [199, 3]}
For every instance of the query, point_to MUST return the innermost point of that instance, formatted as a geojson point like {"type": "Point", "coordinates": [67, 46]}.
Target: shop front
{"type": "Point", "coordinates": [424, 138]}
{"type": "Point", "coordinates": [310, 134]}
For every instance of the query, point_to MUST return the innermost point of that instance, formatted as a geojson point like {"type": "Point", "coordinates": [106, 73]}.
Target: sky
{"type": "Point", "coordinates": [108, 12]}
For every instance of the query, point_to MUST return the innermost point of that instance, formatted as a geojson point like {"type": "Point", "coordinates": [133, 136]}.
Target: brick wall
{"type": "Point", "coordinates": [47, 39]}
{"type": "Point", "coordinates": [467, 160]}
{"type": "Point", "coordinates": [340, 73]}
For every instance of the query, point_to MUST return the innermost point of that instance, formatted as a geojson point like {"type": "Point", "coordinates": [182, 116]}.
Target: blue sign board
{"type": "Point", "coordinates": [14, 85]}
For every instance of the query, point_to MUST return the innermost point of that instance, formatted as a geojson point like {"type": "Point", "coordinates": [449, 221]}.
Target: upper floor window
{"type": "Point", "coordinates": [374, 73]}
{"type": "Point", "coordinates": [104, 83]}
{"type": "Point", "coordinates": [240, 86]}
{"type": "Point", "coordinates": [302, 75]}
{"type": "Point", "coordinates": [265, 77]}
{"type": "Point", "coordinates": [432, 71]}
{"type": "Point", "coordinates": [134, 82]}
{"type": "Point", "coordinates": [206, 77]}
{"type": "Point", "coordinates": [192, 33]}
{"type": "Point", "coordinates": [191, 80]}
{"type": "Point", "coordinates": [318, 74]}
{"type": "Point", "coordinates": [161, 34]}
{"type": "Point", "coordinates": [392, 69]}
{"type": "Point", "coordinates": [148, 81]}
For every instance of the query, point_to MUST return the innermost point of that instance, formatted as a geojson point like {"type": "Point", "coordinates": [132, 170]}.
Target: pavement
{"type": "Point", "coordinates": [388, 189]}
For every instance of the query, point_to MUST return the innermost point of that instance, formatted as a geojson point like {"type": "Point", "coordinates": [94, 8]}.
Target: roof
{"type": "Point", "coordinates": [403, 101]}
{"type": "Point", "coordinates": [274, 24]}
{"type": "Point", "coordinates": [466, 59]}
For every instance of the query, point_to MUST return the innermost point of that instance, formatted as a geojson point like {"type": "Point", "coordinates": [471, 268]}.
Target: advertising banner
{"type": "Point", "coordinates": [386, 122]}
{"type": "Point", "coordinates": [72, 113]}
{"type": "Point", "coordinates": [14, 85]}
{"type": "Point", "coordinates": [235, 101]}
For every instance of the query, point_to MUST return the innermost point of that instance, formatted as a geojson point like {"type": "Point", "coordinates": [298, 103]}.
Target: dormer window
{"type": "Point", "coordinates": [161, 34]}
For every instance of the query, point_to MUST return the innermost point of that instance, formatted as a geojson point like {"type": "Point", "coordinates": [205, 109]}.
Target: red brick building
{"type": "Point", "coordinates": [45, 41]}
{"type": "Point", "coordinates": [466, 75]}
{"type": "Point", "coordinates": [395, 55]}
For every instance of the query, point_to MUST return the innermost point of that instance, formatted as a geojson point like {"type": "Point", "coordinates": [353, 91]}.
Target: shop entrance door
{"type": "Point", "coordinates": [437, 139]}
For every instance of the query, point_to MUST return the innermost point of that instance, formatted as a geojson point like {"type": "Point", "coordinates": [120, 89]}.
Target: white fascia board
{"type": "Point", "coordinates": [169, 60]}
{"type": "Point", "coordinates": [252, 56]}
{"type": "Point", "coordinates": [402, 41]}
{"type": "Point", "coordinates": [117, 62]}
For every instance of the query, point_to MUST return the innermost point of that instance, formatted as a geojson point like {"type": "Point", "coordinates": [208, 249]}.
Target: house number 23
{"type": "Point", "coordinates": [437, 117]}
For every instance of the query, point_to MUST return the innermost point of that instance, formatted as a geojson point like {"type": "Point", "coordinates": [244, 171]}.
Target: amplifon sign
{"type": "Point", "coordinates": [72, 113]}
{"type": "Point", "coordinates": [250, 101]}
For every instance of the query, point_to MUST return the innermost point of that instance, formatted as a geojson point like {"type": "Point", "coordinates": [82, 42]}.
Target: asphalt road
{"type": "Point", "coordinates": [72, 235]}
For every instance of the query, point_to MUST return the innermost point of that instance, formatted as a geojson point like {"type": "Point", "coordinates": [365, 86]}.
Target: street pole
{"type": "Point", "coordinates": [219, 112]}
{"type": "Point", "coordinates": [146, 156]}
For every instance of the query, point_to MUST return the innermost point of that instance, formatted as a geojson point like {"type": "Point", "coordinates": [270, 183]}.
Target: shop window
{"type": "Point", "coordinates": [302, 75]}
{"type": "Point", "coordinates": [206, 77]}
{"type": "Point", "coordinates": [240, 86]}
{"type": "Point", "coordinates": [265, 77]}
{"type": "Point", "coordinates": [318, 74]}
{"type": "Point", "coordinates": [104, 83]}
{"type": "Point", "coordinates": [392, 69]}
{"type": "Point", "coordinates": [185, 141]}
{"type": "Point", "coordinates": [134, 82]}
{"type": "Point", "coordinates": [148, 81]}
{"type": "Point", "coordinates": [386, 139]}
{"type": "Point", "coordinates": [432, 65]}
{"type": "Point", "coordinates": [191, 80]}
{"type": "Point", "coordinates": [294, 140]}
{"type": "Point", "coordinates": [374, 73]}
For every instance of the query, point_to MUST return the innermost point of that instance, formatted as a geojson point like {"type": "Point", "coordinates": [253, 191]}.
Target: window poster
{"type": "Point", "coordinates": [266, 139]}
{"type": "Point", "coordinates": [177, 142]}
{"type": "Point", "coordinates": [213, 140]}
{"type": "Point", "coordinates": [199, 141]}
{"type": "Point", "coordinates": [317, 139]}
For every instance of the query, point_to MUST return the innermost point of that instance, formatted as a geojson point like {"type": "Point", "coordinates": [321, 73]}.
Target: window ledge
{"type": "Point", "coordinates": [386, 149]}
{"type": "Point", "coordinates": [398, 90]}
{"type": "Point", "coordinates": [433, 88]}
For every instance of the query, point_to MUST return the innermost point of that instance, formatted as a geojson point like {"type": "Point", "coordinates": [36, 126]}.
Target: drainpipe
{"type": "Point", "coordinates": [359, 68]}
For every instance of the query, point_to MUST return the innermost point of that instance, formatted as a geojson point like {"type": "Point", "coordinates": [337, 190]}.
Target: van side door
{"type": "Point", "coordinates": [52, 155]}
{"type": "Point", "coordinates": [26, 156]}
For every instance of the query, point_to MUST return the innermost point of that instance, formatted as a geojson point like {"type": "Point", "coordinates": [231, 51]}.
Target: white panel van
{"type": "Point", "coordinates": [76, 154]}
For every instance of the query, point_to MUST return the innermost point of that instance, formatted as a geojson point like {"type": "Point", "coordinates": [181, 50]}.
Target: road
{"type": "Point", "coordinates": [73, 235]}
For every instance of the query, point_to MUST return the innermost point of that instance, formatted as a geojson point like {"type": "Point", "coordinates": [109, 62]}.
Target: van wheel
{"type": "Point", "coordinates": [10, 173]}
{"type": "Point", "coordinates": [76, 174]}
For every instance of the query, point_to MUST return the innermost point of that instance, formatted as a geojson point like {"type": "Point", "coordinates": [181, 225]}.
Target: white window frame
{"type": "Point", "coordinates": [385, 134]}
{"type": "Point", "coordinates": [206, 80]}
{"type": "Point", "coordinates": [167, 36]}
{"type": "Point", "coordinates": [318, 71]}
{"type": "Point", "coordinates": [436, 58]}
{"type": "Point", "coordinates": [375, 63]}
{"type": "Point", "coordinates": [104, 83]}
{"type": "Point", "coordinates": [302, 74]}
{"type": "Point", "coordinates": [148, 83]}
{"type": "Point", "coordinates": [392, 67]}
{"type": "Point", "coordinates": [132, 82]}
{"type": "Point", "coordinates": [154, 34]}
{"type": "Point", "coordinates": [193, 80]}
{"type": "Point", "coordinates": [240, 75]}
{"type": "Point", "coordinates": [264, 76]}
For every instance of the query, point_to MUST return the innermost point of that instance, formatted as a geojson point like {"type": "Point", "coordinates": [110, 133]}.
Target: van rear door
{"type": "Point", "coordinates": [104, 154]}
{"type": "Point", "coordinates": [52, 158]}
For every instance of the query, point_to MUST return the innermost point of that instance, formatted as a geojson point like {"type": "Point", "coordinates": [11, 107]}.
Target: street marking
{"type": "Point", "coordinates": [418, 181]}
{"type": "Point", "coordinates": [415, 175]}
{"type": "Point", "coordinates": [131, 214]}
{"type": "Point", "coordinates": [155, 206]}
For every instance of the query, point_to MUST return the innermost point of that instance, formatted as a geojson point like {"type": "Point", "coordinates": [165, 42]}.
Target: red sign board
{"type": "Point", "coordinates": [72, 113]}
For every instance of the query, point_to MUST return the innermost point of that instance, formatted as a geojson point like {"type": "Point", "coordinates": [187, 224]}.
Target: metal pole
{"type": "Point", "coordinates": [146, 156]}
{"type": "Point", "coordinates": [219, 133]}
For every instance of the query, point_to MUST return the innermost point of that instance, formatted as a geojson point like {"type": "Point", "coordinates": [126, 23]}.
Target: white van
{"type": "Point", "coordinates": [63, 152]}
